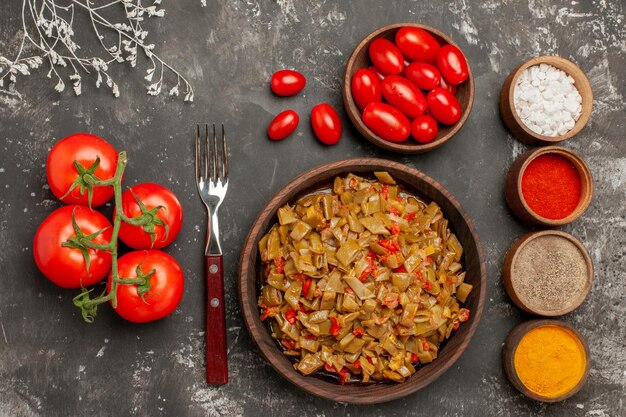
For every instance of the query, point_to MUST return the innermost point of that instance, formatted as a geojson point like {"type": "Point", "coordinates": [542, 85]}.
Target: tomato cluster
{"type": "Point", "coordinates": [411, 87]}
{"type": "Point", "coordinates": [325, 120]}
{"type": "Point", "coordinates": [81, 170]}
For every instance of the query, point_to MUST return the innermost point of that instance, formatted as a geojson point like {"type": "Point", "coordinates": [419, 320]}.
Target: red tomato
{"type": "Point", "coordinates": [403, 95]}
{"type": "Point", "coordinates": [152, 196]}
{"type": "Point", "coordinates": [423, 75]}
{"type": "Point", "coordinates": [417, 44]}
{"type": "Point", "coordinates": [387, 122]}
{"type": "Point", "coordinates": [375, 71]}
{"type": "Point", "coordinates": [365, 88]}
{"type": "Point", "coordinates": [452, 64]}
{"type": "Point", "coordinates": [166, 286]}
{"type": "Point", "coordinates": [66, 266]}
{"type": "Point", "coordinates": [326, 124]}
{"type": "Point", "coordinates": [386, 57]}
{"type": "Point", "coordinates": [283, 125]}
{"type": "Point", "coordinates": [287, 82]}
{"type": "Point", "coordinates": [450, 87]}
{"type": "Point", "coordinates": [83, 148]}
{"type": "Point", "coordinates": [424, 129]}
{"type": "Point", "coordinates": [444, 106]}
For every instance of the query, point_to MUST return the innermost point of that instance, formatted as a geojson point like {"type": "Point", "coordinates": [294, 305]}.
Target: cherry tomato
{"type": "Point", "coordinates": [66, 266]}
{"type": "Point", "coordinates": [283, 125]}
{"type": "Point", "coordinates": [417, 44]}
{"type": "Point", "coordinates": [287, 82]}
{"type": "Point", "coordinates": [423, 75]}
{"type": "Point", "coordinates": [83, 148]}
{"type": "Point", "coordinates": [403, 95]}
{"type": "Point", "coordinates": [375, 71]}
{"type": "Point", "coordinates": [450, 87]}
{"type": "Point", "coordinates": [444, 106]}
{"type": "Point", "coordinates": [164, 222]}
{"type": "Point", "coordinates": [387, 122]}
{"type": "Point", "coordinates": [424, 129]}
{"type": "Point", "coordinates": [166, 286]}
{"type": "Point", "coordinates": [365, 88]}
{"type": "Point", "coordinates": [386, 57]}
{"type": "Point", "coordinates": [326, 124]}
{"type": "Point", "coordinates": [452, 64]}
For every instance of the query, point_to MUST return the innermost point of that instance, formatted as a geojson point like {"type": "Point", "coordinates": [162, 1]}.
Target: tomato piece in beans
{"type": "Point", "coordinates": [326, 124]}
{"type": "Point", "coordinates": [402, 94]}
{"type": "Point", "coordinates": [443, 106]}
{"type": "Point", "coordinates": [452, 64]}
{"type": "Point", "coordinates": [423, 75]}
{"type": "Point", "coordinates": [283, 125]}
{"type": "Point", "coordinates": [365, 86]}
{"type": "Point", "coordinates": [287, 82]}
{"type": "Point", "coordinates": [424, 129]}
{"type": "Point", "coordinates": [386, 57]}
{"type": "Point", "coordinates": [417, 44]}
{"type": "Point", "coordinates": [387, 122]}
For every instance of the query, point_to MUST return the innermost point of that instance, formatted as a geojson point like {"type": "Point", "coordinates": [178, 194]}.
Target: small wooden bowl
{"type": "Point", "coordinates": [360, 59]}
{"type": "Point", "coordinates": [508, 353]}
{"type": "Point", "coordinates": [511, 257]}
{"type": "Point", "coordinates": [414, 182]}
{"type": "Point", "coordinates": [513, 186]}
{"type": "Point", "coordinates": [515, 124]}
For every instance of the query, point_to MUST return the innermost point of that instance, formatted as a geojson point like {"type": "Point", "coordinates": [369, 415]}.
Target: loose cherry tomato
{"type": "Point", "coordinates": [424, 129]}
{"type": "Point", "coordinates": [326, 124]}
{"type": "Point", "coordinates": [452, 64]}
{"type": "Point", "coordinates": [166, 286]}
{"type": "Point", "coordinates": [365, 87]}
{"type": "Point", "coordinates": [375, 71]}
{"type": "Point", "coordinates": [63, 174]}
{"type": "Point", "coordinates": [386, 57]}
{"type": "Point", "coordinates": [444, 106]}
{"type": "Point", "coordinates": [417, 44]}
{"type": "Point", "coordinates": [387, 122]}
{"type": "Point", "coordinates": [287, 82]}
{"type": "Point", "coordinates": [450, 87]}
{"type": "Point", "coordinates": [66, 266]}
{"type": "Point", "coordinates": [162, 212]}
{"type": "Point", "coordinates": [283, 125]}
{"type": "Point", "coordinates": [403, 95]}
{"type": "Point", "coordinates": [423, 75]}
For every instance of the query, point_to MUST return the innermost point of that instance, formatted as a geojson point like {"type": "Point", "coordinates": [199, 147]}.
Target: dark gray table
{"type": "Point", "coordinates": [51, 363]}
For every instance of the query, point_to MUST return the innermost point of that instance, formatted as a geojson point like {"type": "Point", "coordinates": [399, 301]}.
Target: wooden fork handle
{"type": "Point", "coordinates": [216, 356]}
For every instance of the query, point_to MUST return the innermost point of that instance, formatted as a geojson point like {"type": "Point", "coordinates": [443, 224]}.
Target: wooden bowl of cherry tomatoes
{"type": "Point", "coordinates": [408, 88]}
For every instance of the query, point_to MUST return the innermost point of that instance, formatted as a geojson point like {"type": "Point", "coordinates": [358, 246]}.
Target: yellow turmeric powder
{"type": "Point", "coordinates": [550, 361]}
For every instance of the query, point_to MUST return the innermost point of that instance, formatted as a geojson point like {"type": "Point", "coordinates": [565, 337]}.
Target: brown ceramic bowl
{"type": "Point", "coordinates": [412, 181]}
{"type": "Point", "coordinates": [508, 353]}
{"type": "Point", "coordinates": [518, 298]}
{"type": "Point", "coordinates": [360, 59]}
{"type": "Point", "coordinates": [513, 186]}
{"type": "Point", "coordinates": [515, 124]}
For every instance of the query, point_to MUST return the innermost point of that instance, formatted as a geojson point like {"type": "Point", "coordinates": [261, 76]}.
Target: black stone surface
{"type": "Point", "coordinates": [53, 364]}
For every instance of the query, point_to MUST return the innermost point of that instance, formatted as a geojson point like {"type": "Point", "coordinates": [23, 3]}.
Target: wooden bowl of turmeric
{"type": "Point", "coordinates": [546, 360]}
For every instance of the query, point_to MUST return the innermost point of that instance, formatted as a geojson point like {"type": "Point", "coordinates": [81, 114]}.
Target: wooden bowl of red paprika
{"type": "Point", "coordinates": [549, 186]}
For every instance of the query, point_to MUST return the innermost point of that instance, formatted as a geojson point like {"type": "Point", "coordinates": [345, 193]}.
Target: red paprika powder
{"type": "Point", "coordinates": [551, 186]}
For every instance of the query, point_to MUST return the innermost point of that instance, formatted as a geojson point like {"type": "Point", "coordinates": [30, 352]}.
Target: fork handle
{"type": "Point", "coordinates": [216, 356]}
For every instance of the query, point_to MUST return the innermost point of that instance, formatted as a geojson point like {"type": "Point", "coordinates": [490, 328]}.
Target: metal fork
{"type": "Point", "coordinates": [212, 180]}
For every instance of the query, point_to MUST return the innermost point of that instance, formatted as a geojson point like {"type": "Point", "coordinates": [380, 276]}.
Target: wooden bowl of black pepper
{"type": "Point", "coordinates": [547, 273]}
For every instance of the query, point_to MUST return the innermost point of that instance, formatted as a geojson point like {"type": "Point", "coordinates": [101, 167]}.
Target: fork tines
{"type": "Point", "coordinates": [209, 164]}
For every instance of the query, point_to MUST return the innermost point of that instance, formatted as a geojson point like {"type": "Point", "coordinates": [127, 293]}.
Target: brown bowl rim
{"type": "Point", "coordinates": [583, 171]}
{"type": "Point", "coordinates": [511, 256]}
{"type": "Point", "coordinates": [585, 91]}
{"type": "Point", "coordinates": [371, 394]}
{"type": "Point", "coordinates": [510, 346]}
{"type": "Point", "coordinates": [409, 146]}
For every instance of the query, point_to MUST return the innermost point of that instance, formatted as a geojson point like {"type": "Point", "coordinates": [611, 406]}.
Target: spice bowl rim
{"type": "Point", "coordinates": [515, 197]}
{"type": "Point", "coordinates": [512, 342]}
{"type": "Point", "coordinates": [513, 121]}
{"type": "Point", "coordinates": [409, 146]}
{"type": "Point", "coordinates": [511, 257]}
